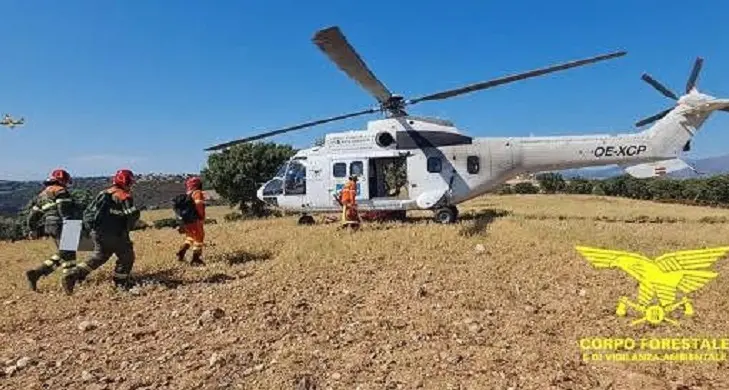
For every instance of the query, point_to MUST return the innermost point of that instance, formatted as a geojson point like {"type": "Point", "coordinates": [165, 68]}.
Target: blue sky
{"type": "Point", "coordinates": [150, 84]}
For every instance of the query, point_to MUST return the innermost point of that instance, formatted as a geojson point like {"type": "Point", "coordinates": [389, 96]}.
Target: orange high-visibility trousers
{"type": "Point", "coordinates": [350, 215]}
{"type": "Point", "coordinates": [195, 235]}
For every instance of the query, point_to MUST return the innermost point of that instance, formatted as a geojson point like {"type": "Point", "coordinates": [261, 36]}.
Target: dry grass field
{"type": "Point", "coordinates": [497, 301]}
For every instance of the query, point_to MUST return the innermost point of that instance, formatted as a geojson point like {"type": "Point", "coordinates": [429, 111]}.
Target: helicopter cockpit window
{"type": "Point", "coordinates": [295, 181]}
{"type": "Point", "coordinates": [472, 164]}
{"type": "Point", "coordinates": [434, 164]}
{"type": "Point", "coordinates": [356, 168]}
{"type": "Point", "coordinates": [281, 170]}
{"type": "Point", "coordinates": [339, 169]}
{"type": "Point", "coordinates": [273, 188]}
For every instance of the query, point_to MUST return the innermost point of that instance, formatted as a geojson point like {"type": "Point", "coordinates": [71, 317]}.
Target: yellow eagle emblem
{"type": "Point", "coordinates": [660, 279]}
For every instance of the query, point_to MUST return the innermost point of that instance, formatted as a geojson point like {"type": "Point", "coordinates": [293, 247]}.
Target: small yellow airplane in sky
{"type": "Point", "coordinates": [8, 121]}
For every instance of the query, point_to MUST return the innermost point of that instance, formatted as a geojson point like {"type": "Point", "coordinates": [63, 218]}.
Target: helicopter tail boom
{"type": "Point", "coordinates": [639, 152]}
{"type": "Point", "coordinates": [660, 146]}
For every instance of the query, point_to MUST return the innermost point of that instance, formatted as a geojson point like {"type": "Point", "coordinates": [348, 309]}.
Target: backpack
{"type": "Point", "coordinates": [184, 207]}
{"type": "Point", "coordinates": [96, 211]}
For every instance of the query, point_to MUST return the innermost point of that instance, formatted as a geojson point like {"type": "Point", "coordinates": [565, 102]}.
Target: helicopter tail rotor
{"type": "Point", "coordinates": [690, 86]}
{"type": "Point", "coordinates": [691, 83]}
{"type": "Point", "coordinates": [658, 86]}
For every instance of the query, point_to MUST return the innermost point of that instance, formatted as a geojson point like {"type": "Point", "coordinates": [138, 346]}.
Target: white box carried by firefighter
{"type": "Point", "coordinates": [73, 239]}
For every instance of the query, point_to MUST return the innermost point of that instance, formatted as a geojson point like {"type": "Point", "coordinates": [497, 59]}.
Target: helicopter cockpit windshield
{"type": "Point", "coordinates": [281, 170]}
{"type": "Point", "coordinates": [274, 187]}
{"type": "Point", "coordinates": [295, 179]}
{"type": "Point", "coordinates": [290, 179]}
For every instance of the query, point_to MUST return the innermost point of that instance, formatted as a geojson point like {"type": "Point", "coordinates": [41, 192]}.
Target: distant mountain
{"type": "Point", "coordinates": [709, 166]}
{"type": "Point", "coordinates": [713, 165]}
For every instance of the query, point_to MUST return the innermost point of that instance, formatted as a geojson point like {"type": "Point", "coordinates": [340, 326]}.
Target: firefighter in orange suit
{"type": "Point", "coordinates": [347, 197]}
{"type": "Point", "coordinates": [195, 231]}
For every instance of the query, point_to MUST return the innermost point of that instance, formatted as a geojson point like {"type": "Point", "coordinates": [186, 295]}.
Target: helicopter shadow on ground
{"type": "Point", "coordinates": [473, 223]}
{"type": "Point", "coordinates": [243, 257]}
{"type": "Point", "coordinates": [479, 221]}
{"type": "Point", "coordinates": [171, 278]}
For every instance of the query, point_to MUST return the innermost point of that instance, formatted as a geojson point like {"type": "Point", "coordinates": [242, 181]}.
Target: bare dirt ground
{"type": "Point", "coordinates": [498, 301]}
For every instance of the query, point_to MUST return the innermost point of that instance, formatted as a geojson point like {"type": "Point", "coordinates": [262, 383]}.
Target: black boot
{"type": "Point", "coordinates": [71, 278]}
{"type": "Point", "coordinates": [196, 261]}
{"type": "Point", "coordinates": [34, 274]}
{"type": "Point", "coordinates": [182, 251]}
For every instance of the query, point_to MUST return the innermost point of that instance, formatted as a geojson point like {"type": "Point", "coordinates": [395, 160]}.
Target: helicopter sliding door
{"type": "Point", "coordinates": [342, 168]}
{"type": "Point", "coordinates": [388, 177]}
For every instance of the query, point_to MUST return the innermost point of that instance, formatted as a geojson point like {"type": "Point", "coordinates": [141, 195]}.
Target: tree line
{"type": "Point", "coordinates": [708, 191]}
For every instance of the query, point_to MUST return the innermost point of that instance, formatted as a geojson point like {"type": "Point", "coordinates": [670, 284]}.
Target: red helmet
{"type": "Point", "coordinates": [59, 176]}
{"type": "Point", "coordinates": [123, 178]}
{"type": "Point", "coordinates": [193, 183]}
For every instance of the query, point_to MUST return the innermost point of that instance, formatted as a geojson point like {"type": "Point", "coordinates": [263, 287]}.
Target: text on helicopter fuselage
{"type": "Point", "coordinates": [617, 151]}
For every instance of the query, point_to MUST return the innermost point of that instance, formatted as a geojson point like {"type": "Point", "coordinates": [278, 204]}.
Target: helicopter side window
{"type": "Point", "coordinates": [472, 164]}
{"type": "Point", "coordinates": [356, 168]}
{"type": "Point", "coordinates": [273, 188]}
{"type": "Point", "coordinates": [339, 169]}
{"type": "Point", "coordinates": [295, 181]}
{"type": "Point", "coordinates": [434, 164]}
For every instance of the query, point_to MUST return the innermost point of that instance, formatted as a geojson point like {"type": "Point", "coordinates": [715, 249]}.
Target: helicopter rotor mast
{"type": "Point", "coordinates": [333, 43]}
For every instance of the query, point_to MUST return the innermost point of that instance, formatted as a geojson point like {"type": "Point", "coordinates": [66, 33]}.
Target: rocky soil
{"type": "Point", "coordinates": [491, 303]}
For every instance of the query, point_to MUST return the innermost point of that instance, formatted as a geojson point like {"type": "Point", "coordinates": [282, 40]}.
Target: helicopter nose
{"type": "Point", "coordinates": [259, 194]}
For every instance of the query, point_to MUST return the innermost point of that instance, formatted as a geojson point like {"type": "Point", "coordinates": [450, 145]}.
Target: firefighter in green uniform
{"type": "Point", "coordinates": [109, 218]}
{"type": "Point", "coordinates": [49, 209]}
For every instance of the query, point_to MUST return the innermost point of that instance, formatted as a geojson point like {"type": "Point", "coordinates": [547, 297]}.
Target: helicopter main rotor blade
{"type": "Point", "coordinates": [694, 74]}
{"type": "Point", "coordinates": [291, 128]}
{"type": "Point", "coordinates": [516, 77]}
{"type": "Point", "coordinates": [333, 43]}
{"type": "Point", "coordinates": [653, 118]}
{"type": "Point", "coordinates": [665, 91]}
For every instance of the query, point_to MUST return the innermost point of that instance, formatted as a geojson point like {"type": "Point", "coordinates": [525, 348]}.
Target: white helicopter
{"type": "Point", "coordinates": [8, 121]}
{"type": "Point", "coordinates": [439, 167]}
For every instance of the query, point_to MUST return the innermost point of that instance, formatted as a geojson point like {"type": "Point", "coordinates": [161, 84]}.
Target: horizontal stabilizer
{"type": "Point", "coordinates": [656, 169]}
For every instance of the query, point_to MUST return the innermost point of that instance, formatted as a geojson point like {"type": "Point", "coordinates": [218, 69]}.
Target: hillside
{"type": "Point", "coordinates": [709, 166]}
{"type": "Point", "coordinates": [151, 191]}
{"type": "Point", "coordinates": [498, 301]}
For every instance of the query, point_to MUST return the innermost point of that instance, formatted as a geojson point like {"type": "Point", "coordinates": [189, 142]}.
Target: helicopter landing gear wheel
{"type": "Point", "coordinates": [455, 211]}
{"type": "Point", "coordinates": [306, 220]}
{"type": "Point", "coordinates": [446, 215]}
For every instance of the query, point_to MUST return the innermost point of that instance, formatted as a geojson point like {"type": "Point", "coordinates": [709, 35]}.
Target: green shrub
{"type": "Point", "coordinates": [504, 189]}
{"type": "Point", "coordinates": [525, 188]}
{"type": "Point", "coordinates": [234, 216]}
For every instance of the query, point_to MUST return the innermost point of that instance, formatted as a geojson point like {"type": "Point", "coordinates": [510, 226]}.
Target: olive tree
{"type": "Point", "coordinates": [237, 173]}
